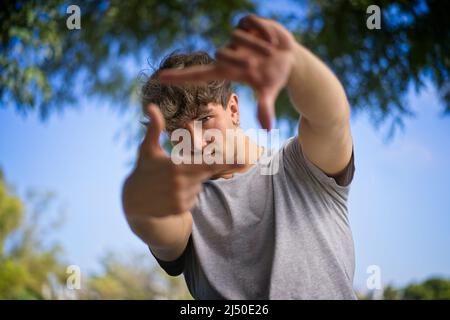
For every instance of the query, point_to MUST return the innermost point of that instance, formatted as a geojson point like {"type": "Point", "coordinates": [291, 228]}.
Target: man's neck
{"type": "Point", "coordinates": [252, 153]}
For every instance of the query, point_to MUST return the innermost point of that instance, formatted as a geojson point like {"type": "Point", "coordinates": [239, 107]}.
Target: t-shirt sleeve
{"type": "Point", "coordinates": [295, 159]}
{"type": "Point", "coordinates": [175, 267]}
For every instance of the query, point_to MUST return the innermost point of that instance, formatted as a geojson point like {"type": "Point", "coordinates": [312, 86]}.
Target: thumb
{"type": "Point", "coordinates": [154, 129]}
{"type": "Point", "coordinates": [266, 111]}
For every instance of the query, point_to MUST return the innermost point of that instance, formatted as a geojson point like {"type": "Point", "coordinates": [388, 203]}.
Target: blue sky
{"type": "Point", "coordinates": [399, 202]}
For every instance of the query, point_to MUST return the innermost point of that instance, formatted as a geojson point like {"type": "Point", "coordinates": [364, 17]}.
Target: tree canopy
{"type": "Point", "coordinates": [45, 67]}
{"type": "Point", "coordinates": [377, 67]}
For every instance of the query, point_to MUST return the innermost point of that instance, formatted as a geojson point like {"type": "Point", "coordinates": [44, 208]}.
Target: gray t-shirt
{"type": "Point", "coordinates": [262, 236]}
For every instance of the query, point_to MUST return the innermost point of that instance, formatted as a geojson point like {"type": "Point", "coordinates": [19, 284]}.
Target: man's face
{"type": "Point", "coordinates": [211, 124]}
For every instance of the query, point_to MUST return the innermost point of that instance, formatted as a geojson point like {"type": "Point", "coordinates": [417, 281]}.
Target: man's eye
{"type": "Point", "coordinates": [204, 119]}
{"type": "Point", "coordinates": [145, 123]}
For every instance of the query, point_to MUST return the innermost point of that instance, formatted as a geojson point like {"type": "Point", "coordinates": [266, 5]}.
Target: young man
{"type": "Point", "coordinates": [236, 233]}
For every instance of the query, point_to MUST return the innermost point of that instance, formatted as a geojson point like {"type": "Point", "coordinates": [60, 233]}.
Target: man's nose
{"type": "Point", "coordinates": [198, 143]}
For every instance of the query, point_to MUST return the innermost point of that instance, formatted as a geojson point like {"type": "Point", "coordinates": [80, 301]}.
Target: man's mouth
{"type": "Point", "coordinates": [210, 154]}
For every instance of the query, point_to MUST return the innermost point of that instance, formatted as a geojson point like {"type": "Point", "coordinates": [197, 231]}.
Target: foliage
{"type": "Point", "coordinates": [45, 67]}
{"type": "Point", "coordinates": [26, 261]}
{"type": "Point", "coordinates": [431, 289]}
{"type": "Point", "coordinates": [132, 277]}
{"type": "Point", "coordinates": [378, 67]}
{"type": "Point", "coordinates": [32, 268]}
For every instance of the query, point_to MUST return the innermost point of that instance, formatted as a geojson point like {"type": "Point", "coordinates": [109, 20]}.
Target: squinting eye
{"type": "Point", "coordinates": [145, 123]}
{"type": "Point", "coordinates": [205, 118]}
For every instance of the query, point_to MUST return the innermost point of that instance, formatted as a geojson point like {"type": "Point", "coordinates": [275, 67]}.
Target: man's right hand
{"type": "Point", "coordinates": [158, 194]}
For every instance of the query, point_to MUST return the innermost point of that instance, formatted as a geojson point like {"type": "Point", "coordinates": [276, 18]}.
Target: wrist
{"type": "Point", "coordinates": [298, 55]}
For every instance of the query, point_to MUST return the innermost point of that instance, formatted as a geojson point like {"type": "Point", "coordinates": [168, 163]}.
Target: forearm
{"type": "Point", "coordinates": [165, 235]}
{"type": "Point", "coordinates": [315, 91]}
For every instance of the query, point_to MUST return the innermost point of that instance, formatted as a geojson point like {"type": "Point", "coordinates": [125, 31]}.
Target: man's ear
{"type": "Point", "coordinates": [233, 108]}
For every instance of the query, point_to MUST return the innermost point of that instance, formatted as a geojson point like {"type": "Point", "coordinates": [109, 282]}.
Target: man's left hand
{"type": "Point", "coordinates": [260, 54]}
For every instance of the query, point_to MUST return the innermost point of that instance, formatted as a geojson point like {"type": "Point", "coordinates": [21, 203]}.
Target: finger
{"type": "Point", "coordinates": [193, 191]}
{"type": "Point", "coordinates": [154, 129]}
{"type": "Point", "coordinates": [266, 112]}
{"type": "Point", "coordinates": [246, 39]}
{"type": "Point", "coordinates": [204, 171]}
{"type": "Point", "coordinates": [227, 55]}
{"type": "Point", "coordinates": [191, 202]}
{"type": "Point", "coordinates": [253, 22]}
{"type": "Point", "coordinates": [195, 74]}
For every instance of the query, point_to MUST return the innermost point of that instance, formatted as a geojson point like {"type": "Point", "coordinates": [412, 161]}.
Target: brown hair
{"type": "Point", "coordinates": [180, 104]}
